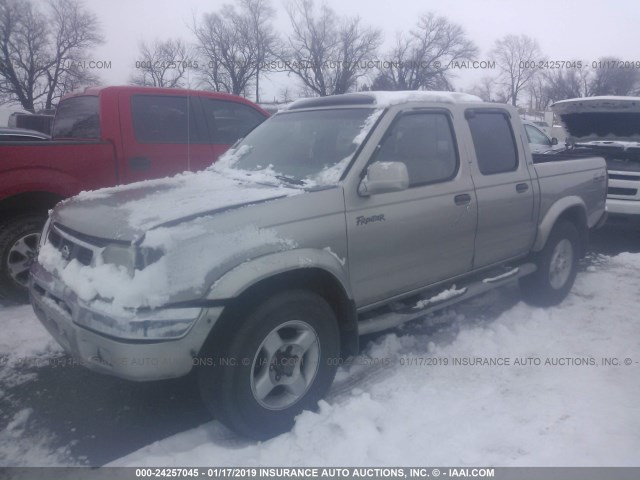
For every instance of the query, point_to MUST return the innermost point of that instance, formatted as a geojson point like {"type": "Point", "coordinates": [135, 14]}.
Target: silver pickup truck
{"type": "Point", "coordinates": [338, 217]}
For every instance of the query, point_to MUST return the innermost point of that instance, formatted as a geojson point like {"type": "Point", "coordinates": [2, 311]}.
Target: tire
{"type": "Point", "coordinates": [285, 353]}
{"type": "Point", "coordinates": [19, 239]}
{"type": "Point", "coordinates": [557, 266]}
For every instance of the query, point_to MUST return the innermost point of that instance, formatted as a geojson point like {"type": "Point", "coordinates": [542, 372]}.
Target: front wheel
{"type": "Point", "coordinates": [271, 364]}
{"type": "Point", "coordinates": [19, 238]}
{"type": "Point", "coordinates": [557, 267]}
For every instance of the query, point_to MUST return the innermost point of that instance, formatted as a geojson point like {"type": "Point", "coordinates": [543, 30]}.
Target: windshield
{"type": "Point", "coordinates": [305, 148]}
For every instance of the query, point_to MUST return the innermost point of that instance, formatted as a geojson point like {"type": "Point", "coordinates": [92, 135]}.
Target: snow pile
{"type": "Point", "coordinates": [17, 449]}
{"type": "Point", "coordinates": [24, 343]}
{"type": "Point", "coordinates": [400, 404]}
{"type": "Point", "coordinates": [173, 273]}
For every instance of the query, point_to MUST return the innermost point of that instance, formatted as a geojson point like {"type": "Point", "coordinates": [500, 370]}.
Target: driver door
{"type": "Point", "coordinates": [405, 240]}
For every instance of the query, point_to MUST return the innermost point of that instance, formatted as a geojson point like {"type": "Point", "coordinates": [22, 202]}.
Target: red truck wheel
{"type": "Point", "coordinates": [19, 239]}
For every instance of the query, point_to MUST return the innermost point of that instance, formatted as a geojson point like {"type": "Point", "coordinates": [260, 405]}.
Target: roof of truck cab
{"type": "Point", "coordinates": [132, 89]}
{"type": "Point", "coordinates": [384, 99]}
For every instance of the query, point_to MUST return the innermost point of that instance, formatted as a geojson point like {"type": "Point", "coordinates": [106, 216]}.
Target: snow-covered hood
{"type": "Point", "coordinates": [127, 212]}
{"type": "Point", "coordinates": [600, 118]}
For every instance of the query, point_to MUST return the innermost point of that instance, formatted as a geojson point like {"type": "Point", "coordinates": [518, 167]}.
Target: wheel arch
{"type": "Point", "coordinates": [571, 209]}
{"type": "Point", "coordinates": [273, 275]}
{"type": "Point", "coordinates": [28, 202]}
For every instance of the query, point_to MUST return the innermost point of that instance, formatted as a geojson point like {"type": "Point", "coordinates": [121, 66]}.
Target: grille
{"type": "Point", "coordinates": [622, 191]}
{"type": "Point", "coordinates": [70, 250]}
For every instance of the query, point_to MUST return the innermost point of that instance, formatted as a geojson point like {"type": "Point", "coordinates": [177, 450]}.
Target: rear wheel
{"type": "Point", "coordinates": [19, 239]}
{"type": "Point", "coordinates": [557, 267]}
{"type": "Point", "coordinates": [272, 364]}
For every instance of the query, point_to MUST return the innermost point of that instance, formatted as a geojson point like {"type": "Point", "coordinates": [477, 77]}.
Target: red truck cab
{"type": "Point", "coordinates": [106, 136]}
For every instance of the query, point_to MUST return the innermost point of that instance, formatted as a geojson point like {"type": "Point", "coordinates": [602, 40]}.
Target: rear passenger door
{"type": "Point", "coordinates": [162, 135]}
{"type": "Point", "coordinates": [506, 224]}
{"type": "Point", "coordinates": [401, 241]}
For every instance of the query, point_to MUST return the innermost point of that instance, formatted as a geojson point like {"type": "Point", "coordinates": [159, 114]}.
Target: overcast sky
{"type": "Point", "coordinates": [566, 30]}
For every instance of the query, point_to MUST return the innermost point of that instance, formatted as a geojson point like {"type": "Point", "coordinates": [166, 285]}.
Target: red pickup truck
{"type": "Point", "coordinates": [105, 136]}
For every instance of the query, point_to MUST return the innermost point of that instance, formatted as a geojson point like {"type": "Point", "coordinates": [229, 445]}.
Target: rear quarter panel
{"type": "Point", "coordinates": [567, 183]}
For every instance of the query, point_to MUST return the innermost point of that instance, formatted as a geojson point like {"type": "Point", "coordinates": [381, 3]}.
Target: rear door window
{"type": "Point", "coordinates": [165, 119]}
{"type": "Point", "coordinates": [494, 141]}
{"type": "Point", "coordinates": [77, 118]}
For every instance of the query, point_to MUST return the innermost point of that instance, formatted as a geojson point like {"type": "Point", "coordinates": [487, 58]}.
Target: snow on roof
{"type": "Point", "coordinates": [393, 98]}
{"type": "Point", "coordinates": [383, 99]}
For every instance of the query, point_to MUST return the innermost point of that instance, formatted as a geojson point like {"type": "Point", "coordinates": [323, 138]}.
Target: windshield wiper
{"type": "Point", "coordinates": [290, 180]}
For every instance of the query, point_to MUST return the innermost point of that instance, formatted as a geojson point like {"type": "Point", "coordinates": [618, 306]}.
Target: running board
{"type": "Point", "coordinates": [444, 299]}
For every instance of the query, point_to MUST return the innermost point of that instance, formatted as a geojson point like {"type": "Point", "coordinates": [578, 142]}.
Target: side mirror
{"type": "Point", "coordinates": [554, 141]}
{"type": "Point", "coordinates": [383, 177]}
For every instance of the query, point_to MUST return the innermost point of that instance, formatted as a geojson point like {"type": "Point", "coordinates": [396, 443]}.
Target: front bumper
{"type": "Point", "coordinates": [623, 193]}
{"type": "Point", "coordinates": [58, 309]}
{"type": "Point", "coordinates": [616, 206]}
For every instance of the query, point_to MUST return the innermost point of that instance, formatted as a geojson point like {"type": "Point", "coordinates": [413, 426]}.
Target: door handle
{"type": "Point", "coordinates": [139, 163]}
{"type": "Point", "coordinates": [462, 199]}
{"type": "Point", "coordinates": [522, 187]}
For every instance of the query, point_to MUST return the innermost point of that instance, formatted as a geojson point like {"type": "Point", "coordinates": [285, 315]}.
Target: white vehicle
{"type": "Point", "coordinates": [539, 141]}
{"type": "Point", "coordinates": [609, 126]}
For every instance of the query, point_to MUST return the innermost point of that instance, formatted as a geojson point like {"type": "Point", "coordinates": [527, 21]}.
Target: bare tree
{"type": "Point", "coordinates": [230, 56]}
{"type": "Point", "coordinates": [538, 98]}
{"type": "Point", "coordinates": [326, 54]}
{"type": "Point", "coordinates": [423, 58]}
{"type": "Point", "coordinates": [604, 77]}
{"type": "Point", "coordinates": [162, 64]}
{"type": "Point", "coordinates": [260, 15]}
{"type": "Point", "coordinates": [485, 89]}
{"type": "Point", "coordinates": [235, 44]}
{"type": "Point", "coordinates": [74, 31]}
{"type": "Point", "coordinates": [568, 83]}
{"type": "Point", "coordinates": [515, 56]}
{"type": "Point", "coordinates": [42, 54]}
{"type": "Point", "coordinates": [611, 78]}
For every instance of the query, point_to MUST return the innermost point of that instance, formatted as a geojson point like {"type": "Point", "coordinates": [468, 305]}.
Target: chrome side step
{"type": "Point", "coordinates": [504, 276]}
{"type": "Point", "coordinates": [424, 306]}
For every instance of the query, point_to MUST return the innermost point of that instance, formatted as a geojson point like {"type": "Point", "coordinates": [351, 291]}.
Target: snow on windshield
{"type": "Point", "coordinates": [306, 148]}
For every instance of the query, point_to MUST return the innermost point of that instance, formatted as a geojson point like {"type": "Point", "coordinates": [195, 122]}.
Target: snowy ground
{"type": "Point", "coordinates": [399, 404]}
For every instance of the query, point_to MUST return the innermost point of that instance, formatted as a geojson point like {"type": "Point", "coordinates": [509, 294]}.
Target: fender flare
{"type": "Point", "coordinates": [551, 217]}
{"type": "Point", "coordinates": [237, 280]}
